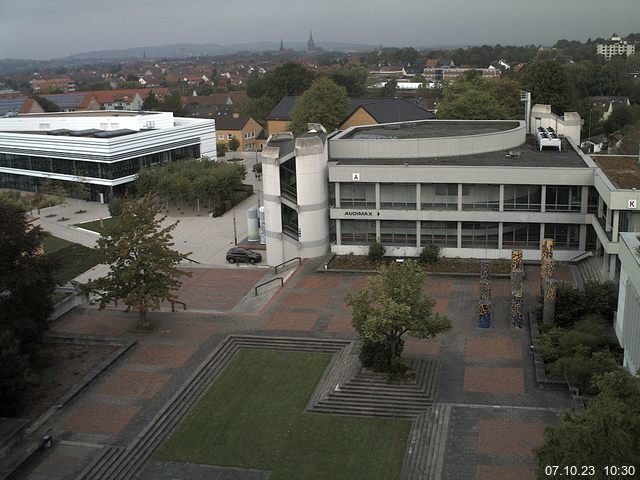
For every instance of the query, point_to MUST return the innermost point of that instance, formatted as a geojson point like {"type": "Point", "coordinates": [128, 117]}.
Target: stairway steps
{"type": "Point", "coordinates": [124, 464]}
{"type": "Point", "coordinates": [369, 402]}
{"type": "Point", "coordinates": [411, 456]}
{"type": "Point", "coordinates": [369, 412]}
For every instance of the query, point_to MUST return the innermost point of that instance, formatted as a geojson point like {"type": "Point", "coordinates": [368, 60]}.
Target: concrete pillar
{"type": "Point", "coordinates": [459, 198]}
{"type": "Point", "coordinates": [272, 206]}
{"type": "Point", "coordinates": [607, 223]}
{"type": "Point", "coordinates": [338, 231]}
{"type": "Point", "coordinates": [615, 225]}
{"type": "Point", "coordinates": [378, 199]}
{"type": "Point", "coordinates": [459, 234]}
{"type": "Point", "coordinates": [418, 197]}
{"type": "Point", "coordinates": [418, 239]}
{"type": "Point", "coordinates": [582, 238]}
{"type": "Point", "coordinates": [337, 194]}
{"type": "Point", "coordinates": [501, 202]}
{"type": "Point", "coordinates": [543, 198]}
{"type": "Point", "coordinates": [613, 260]}
{"type": "Point", "coordinates": [500, 231]}
{"type": "Point", "coordinates": [584, 199]}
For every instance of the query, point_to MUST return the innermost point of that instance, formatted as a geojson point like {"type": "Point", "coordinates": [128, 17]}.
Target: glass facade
{"type": "Point", "coordinates": [400, 196]}
{"type": "Point", "coordinates": [439, 196]}
{"type": "Point", "coordinates": [564, 236]}
{"type": "Point", "coordinates": [480, 197]}
{"type": "Point", "coordinates": [521, 235]}
{"type": "Point", "coordinates": [398, 233]}
{"type": "Point", "coordinates": [563, 199]}
{"type": "Point", "coordinates": [357, 232]}
{"type": "Point", "coordinates": [357, 195]}
{"type": "Point", "coordinates": [480, 235]}
{"type": "Point", "coordinates": [443, 234]}
{"type": "Point", "coordinates": [523, 197]}
{"type": "Point", "coordinates": [104, 170]}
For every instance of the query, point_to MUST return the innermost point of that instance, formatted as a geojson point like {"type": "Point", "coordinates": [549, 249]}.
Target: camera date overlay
{"type": "Point", "coordinates": [612, 471]}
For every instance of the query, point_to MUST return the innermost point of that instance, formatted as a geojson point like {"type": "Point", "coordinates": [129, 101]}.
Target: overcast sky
{"type": "Point", "coordinates": [43, 29]}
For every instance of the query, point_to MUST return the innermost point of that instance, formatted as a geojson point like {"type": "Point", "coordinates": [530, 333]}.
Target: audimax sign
{"type": "Point", "coordinates": [360, 213]}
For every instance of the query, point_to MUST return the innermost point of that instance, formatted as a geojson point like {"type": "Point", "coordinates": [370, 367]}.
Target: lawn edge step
{"type": "Point", "coordinates": [412, 456]}
{"type": "Point", "coordinates": [107, 454]}
{"type": "Point", "coordinates": [399, 399]}
{"type": "Point", "coordinates": [125, 463]}
{"type": "Point", "coordinates": [389, 407]}
{"type": "Point", "coordinates": [356, 391]}
{"type": "Point", "coordinates": [365, 413]}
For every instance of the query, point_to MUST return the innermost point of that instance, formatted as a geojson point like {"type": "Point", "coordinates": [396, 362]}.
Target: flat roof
{"type": "Point", "coordinates": [92, 113]}
{"type": "Point", "coordinates": [622, 170]}
{"type": "Point", "coordinates": [527, 155]}
{"type": "Point", "coordinates": [430, 129]}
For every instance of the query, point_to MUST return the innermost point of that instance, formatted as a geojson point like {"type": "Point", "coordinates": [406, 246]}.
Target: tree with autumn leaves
{"type": "Point", "coordinates": [144, 268]}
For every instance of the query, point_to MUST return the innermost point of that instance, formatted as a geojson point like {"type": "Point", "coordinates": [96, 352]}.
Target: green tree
{"type": "Point", "coordinates": [324, 102]}
{"type": "Point", "coordinates": [221, 148]}
{"type": "Point", "coordinates": [548, 83]}
{"type": "Point", "coordinates": [233, 144]}
{"type": "Point", "coordinates": [173, 103]}
{"type": "Point", "coordinates": [390, 88]}
{"type": "Point", "coordinates": [26, 277]}
{"type": "Point", "coordinates": [257, 108]}
{"type": "Point", "coordinates": [151, 103]}
{"type": "Point", "coordinates": [13, 365]}
{"type": "Point", "coordinates": [393, 304]}
{"type": "Point", "coordinates": [603, 434]}
{"type": "Point", "coordinates": [289, 79]}
{"type": "Point", "coordinates": [353, 78]}
{"type": "Point", "coordinates": [144, 268]}
{"type": "Point", "coordinates": [631, 141]}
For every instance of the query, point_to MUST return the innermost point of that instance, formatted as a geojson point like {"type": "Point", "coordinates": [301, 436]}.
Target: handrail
{"type": "Point", "coordinates": [184, 257]}
{"type": "Point", "coordinates": [173, 305]}
{"type": "Point", "coordinates": [581, 256]}
{"type": "Point", "coordinates": [266, 283]}
{"type": "Point", "coordinates": [290, 260]}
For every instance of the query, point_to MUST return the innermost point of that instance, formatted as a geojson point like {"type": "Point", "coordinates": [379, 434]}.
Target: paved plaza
{"type": "Point", "coordinates": [497, 414]}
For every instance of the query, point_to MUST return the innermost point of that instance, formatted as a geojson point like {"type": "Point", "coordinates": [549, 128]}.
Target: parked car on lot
{"type": "Point", "coordinates": [237, 254]}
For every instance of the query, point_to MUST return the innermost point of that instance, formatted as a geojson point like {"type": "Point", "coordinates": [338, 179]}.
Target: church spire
{"type": "Point", "coordinates": [281, 45]}
{"type": "Point", "coordinates": [311, 45]}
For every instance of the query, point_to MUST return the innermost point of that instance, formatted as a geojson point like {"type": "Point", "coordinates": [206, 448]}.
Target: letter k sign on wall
{"type": "Point", "coordinates": [355, 177]}
{"type": "Point", "coordinates": [632, 204]}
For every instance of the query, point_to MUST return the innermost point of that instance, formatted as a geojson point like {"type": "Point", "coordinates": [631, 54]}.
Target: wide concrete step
{"type": "Point", "coordinates": [367, 412]}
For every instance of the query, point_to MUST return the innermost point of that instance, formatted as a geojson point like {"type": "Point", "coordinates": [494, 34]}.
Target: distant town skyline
{"type": "Point", "coordinates": [42, 29]}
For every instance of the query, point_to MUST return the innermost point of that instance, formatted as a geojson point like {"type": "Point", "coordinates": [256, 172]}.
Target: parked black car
{"type": "Point", "coordinates": [237, 254]}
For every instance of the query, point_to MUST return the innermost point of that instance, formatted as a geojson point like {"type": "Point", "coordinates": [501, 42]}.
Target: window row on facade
{"type": "Point", "coordinates": [104, 170]}
{"type": "Point", "coordinates": [448, 196]}
{"type": "Point", "coordinates": [463, 234]}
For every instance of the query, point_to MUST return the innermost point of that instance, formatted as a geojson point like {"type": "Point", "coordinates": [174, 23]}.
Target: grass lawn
{"type": "Point", "coordinates": [253, 417]}
{"type": "Point", "coordinates": [95, 225]}
{"type": "Point", "coordinates": [52, 244]}
{"type": "Point", "coordinates": [73, 258]}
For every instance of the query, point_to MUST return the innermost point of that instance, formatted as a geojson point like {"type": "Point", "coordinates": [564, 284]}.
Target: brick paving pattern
{"type": "Point", "coordinates": [494, 348]}
{"type": "Point", "coordinates": [163, 355]}
{"type": "Point", "coordinates": [132, 383]}
{"type": "Point", "coordinates": [509, 438]}
{"type": "Point", "coordinates": [493, 380]}
{"type": "Point", "coordinates": [100, 418]}
{"type": "Point", "coordinates": [479, 368]}
{"type": "Point", "coordinates": [492, 472]}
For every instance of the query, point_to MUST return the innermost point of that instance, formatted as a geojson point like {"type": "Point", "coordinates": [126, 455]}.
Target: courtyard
{"type": "Point", "coordinates": [490, 412]}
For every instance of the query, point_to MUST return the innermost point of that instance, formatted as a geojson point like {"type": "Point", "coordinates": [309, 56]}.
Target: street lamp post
{"type": "Point", "coordinates": [235, 232]}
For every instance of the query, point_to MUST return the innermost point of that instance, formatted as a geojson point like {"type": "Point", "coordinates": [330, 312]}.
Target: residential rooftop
{"type": "Point", "coordinates": [622, 170]}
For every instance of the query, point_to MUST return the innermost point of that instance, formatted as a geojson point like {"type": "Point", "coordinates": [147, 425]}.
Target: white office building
{"type": "Point", "coordinates": [614, 47]}
{"type": "Point", "coordinates": [478, 189]}
{"type": "Point", "coordinates": [104, 149]}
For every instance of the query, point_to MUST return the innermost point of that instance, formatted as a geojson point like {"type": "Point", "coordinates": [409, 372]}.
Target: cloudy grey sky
{"type": "Point", "coordinates": [43, 29]}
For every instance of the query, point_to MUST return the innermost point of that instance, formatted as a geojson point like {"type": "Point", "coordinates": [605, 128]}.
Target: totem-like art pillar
{"type": "Point", "coordinates": [517, 294]}
{"type": "Point", "coordinates": [547, 265]}
{"type": "Point", "coordinates": [484, 305]}
{"type": "Point", "coordinates": [549, 302]}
